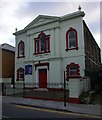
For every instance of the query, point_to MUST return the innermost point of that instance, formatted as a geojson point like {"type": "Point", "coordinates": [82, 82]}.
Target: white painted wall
{"type": "Point", "coordinates": [86, 84]}
{"type": "Point", "coordinates": [76, 24]}
{"type": "Point", "coordinates": [58, 58]}
{"type": "Point", "coordinates": [74, 87]}
{"type": "Point", "coordinates": [55, 72]}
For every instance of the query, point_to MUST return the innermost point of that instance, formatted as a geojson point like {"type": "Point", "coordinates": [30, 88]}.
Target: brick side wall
{"type": "Point", "coordinates": [8, 58]}
{"type": "Point", "coordinates": [92, 51]}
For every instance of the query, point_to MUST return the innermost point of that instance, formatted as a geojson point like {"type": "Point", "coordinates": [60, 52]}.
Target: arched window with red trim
{"type": "Point", "coordinates": [21, 47]}
{"type": "Point", "coordinates": [72, 71]}
{"type": "Point", "coordinates": [42, 43]}
{"type": "Point", "coordinates": [71, 39]}
{"type": "Point", "coordinates": [20, 74]}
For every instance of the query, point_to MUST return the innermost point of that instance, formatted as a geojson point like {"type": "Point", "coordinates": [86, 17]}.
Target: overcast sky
{"type": "Point", "coordinates": [19, 13]}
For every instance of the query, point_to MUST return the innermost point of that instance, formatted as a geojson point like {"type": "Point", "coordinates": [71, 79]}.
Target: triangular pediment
{"type": "Point", "coordinates": [40, 20]}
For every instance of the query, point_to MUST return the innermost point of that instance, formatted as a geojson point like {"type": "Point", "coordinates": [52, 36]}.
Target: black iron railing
{"type": "Point", "coordinates": [17, 88]}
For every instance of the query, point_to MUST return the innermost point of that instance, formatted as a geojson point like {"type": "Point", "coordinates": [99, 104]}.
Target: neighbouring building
{"type": "Point", "coordinates": [7, 59]}
{"type": "Point", "coordinates": [50, 45]}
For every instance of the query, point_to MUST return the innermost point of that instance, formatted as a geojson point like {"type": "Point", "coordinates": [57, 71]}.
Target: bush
{"type": "Point", "coordinates": [85, 97]}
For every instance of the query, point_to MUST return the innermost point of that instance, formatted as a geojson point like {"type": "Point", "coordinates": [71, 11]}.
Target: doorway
{"type": "Point", "coordinates": [42, 78]}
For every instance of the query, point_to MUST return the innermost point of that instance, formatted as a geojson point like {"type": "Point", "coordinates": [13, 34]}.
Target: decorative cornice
{"type": "Point", "coordinates": [51, 19]}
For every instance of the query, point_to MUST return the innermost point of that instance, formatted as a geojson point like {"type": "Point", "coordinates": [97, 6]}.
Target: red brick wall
{"type": "Point", "coordinates": [8, 59]}
{"type": "Point", "coordinates": [92, 50]}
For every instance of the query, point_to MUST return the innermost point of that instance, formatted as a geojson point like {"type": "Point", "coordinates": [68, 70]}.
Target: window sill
{"type": "Point", "coordinates": [71, 48]}
{"type": "Point", "coordinates": [41, 53]}
{"type": "Point", "coordinates": [20, 80]}
{"type": "Point", "coordinates": [21, 57]}
{"type": "Point", "coordinates": [75, 76]}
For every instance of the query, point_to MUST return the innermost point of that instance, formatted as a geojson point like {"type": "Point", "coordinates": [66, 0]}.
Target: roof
{"type": "Point", "coordinates": [45, 19]}
{"type": "Point", "coordinates": [6, 46]}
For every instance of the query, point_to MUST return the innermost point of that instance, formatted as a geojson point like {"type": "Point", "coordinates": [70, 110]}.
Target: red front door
{"type": "Point", "coordinates": [42, 78]}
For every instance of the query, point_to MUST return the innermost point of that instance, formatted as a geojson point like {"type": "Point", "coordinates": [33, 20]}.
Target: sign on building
{"type": "Point", "coordinates": [28, 70]}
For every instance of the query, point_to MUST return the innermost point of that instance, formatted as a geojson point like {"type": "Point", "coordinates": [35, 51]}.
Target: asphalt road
{"type": "Point", "coordinates": [19, 111]}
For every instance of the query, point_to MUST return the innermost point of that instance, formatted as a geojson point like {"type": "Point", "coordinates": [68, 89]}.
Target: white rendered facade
{"type": "Point", "coordinates": [57, 58]}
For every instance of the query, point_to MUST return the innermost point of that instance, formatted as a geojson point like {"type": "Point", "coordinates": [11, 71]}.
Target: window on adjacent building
{"type": "Point", "coordinates": [21, 49]}
{"type": "Point", "coordinates": [71, 39]}
{"type": "Point", "coordinates": [42, 43]}
{"type": "Point", "coordinates": [20, 74]}
{"type": "Point", "coordinates": [72, 70]}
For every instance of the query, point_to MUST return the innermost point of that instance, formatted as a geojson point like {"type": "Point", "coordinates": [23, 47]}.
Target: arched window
{"type": "Point", "coordinates": [71, 39]}
{"type": "Point", "coordinates": [42, 43]}
{"type": "Point", "coordinates": [72, 71]}
{"type": "Point", "coordinates": [21, 50]}
{"type": "Point", "coordinates": [20, 74]}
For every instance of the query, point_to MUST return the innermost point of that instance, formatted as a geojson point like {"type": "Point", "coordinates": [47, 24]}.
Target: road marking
{"type": "Point", "coordinates": [59, 112]}
{"type": "Point", "coordinates": [5, 117]}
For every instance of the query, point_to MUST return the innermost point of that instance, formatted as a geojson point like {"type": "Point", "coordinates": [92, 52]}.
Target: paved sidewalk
{"type": "Point", "coordinates": [78, 108]}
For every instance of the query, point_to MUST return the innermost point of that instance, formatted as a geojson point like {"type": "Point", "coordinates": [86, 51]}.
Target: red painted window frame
{"type": "Point", "coordinates": [68, 68]}
{"type": "Point", "coordinates": [67, 39]}
{"type": "Point", "coordinates": [46, 38]}
{"type": "Point", "coordinates": [19, 45]}
{"type": "Point", "coordinates": [20, 70]}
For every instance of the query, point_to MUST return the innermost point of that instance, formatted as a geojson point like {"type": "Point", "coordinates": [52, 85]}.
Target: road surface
{"type": "Point", "coordinates": [21, 111]}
